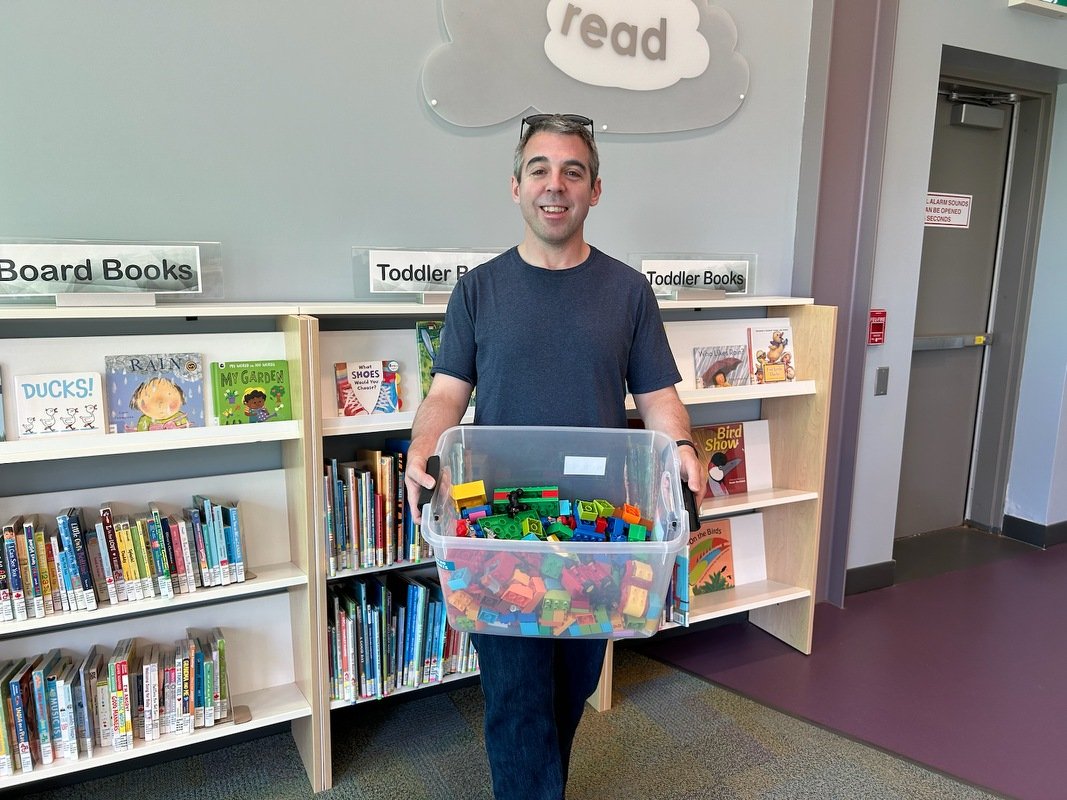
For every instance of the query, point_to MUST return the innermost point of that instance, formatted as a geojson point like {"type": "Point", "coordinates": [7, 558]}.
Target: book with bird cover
{"type": "Point", "coordinates": [737, 455]}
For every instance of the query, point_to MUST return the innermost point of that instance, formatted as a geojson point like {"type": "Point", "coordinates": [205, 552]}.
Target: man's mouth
{"type": "Point", "coordinates": [553, 209]}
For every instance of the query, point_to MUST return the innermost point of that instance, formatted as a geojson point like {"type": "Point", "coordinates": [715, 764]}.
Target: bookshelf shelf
{"type": "Point", "coordinates": [269, 706]}
{"type": "Point", "coordinates": [746, 597]}
{"type": "Point", "coordinates": [268, 578]}
{"type": "Point", "coordinates": [400, 421]}
{"type": "Point", "coordinates": [60, 446]}
{"type": "Point", "coordinates": [455, 677]}
{"type": "Point", "coordinates": [752, 501]}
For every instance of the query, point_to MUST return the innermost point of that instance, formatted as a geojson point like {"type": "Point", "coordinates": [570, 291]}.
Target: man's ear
{"type": "Point", "coordinates": [514, 189]}
{"type": "Point", "coordinates": [596, 192]}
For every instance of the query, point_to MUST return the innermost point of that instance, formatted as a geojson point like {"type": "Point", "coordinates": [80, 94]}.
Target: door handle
{"type": "Point", "coordinates": [956, 342]}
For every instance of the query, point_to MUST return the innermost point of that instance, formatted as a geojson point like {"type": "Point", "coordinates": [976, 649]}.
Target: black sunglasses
{"type": "Point", "coordinates": [536, 119]}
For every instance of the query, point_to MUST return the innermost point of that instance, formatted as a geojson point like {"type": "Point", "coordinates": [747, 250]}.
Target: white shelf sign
{"type": "Point", "coordinates": [948, 210]}
{"type": "Point", "coordinates": [420, 270]}
{"type": "Point", "coordinates": [46, 269]}
{"type": "Point", "coordinates": [670, 275]}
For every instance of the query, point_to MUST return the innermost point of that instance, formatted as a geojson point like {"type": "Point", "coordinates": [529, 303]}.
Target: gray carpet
{"type": "Point", "coordinates": [669, 736]}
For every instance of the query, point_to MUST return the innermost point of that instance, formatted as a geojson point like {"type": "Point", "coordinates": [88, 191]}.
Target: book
{"type": "Point", "coordinates": [427, 341]}
{"type": "Point", "coordinates": [726, 552]}
{"type": "Point", "coordinates": [721, 365]}
{"type": "Point", "coordinates": [38, 571]}
{"type": "Point", "coordinates": [59, 403]}
{"type": "Point", "coordinates": [20, 700]}
{"type": "Point", "coordinates": [154, 391]}
{"type": "Point", "coordinates": [738, 456]}
{"type": "Point", "coordinates": [111, 552]}
{"type": "Point", "coordinates": [72, 537]}
{"type": "Point", "coordinates": [12, 599]}
{"type": "Point", "coordinates": [245, 392]}
{"type": "Point", "coordinates": [367, 387]}
{"type": "Point", "coordinates": [770, 351]}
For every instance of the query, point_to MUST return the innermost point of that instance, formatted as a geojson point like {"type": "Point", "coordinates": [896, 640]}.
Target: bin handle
{"type": "Point", "coordinates": [690, 501]}
{"type": "Point", "coordinates": [433, 469]}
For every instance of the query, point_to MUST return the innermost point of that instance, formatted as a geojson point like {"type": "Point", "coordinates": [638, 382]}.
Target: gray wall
{"type": "Point", "coordinates": [291, 131]}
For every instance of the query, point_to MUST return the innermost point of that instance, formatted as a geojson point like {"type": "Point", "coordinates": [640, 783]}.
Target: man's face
{"type": "Point", "coordinates": [555, 193]}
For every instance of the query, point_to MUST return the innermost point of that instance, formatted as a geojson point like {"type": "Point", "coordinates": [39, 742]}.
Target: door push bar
{"type": "Point", "coordinates": [952, 342]}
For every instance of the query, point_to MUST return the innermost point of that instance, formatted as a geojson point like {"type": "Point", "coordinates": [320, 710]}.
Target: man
{"type": "Point", "coordinates": [552, 332]}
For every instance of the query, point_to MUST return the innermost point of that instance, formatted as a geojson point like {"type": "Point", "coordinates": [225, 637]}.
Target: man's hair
{"type": "Point", "coordinates": [565, 127]}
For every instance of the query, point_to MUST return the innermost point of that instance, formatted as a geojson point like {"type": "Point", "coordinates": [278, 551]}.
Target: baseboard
{"type": "Point", "coordinates": [870, 577]}
{"type": "Point", "coordinates": [1034, 532]}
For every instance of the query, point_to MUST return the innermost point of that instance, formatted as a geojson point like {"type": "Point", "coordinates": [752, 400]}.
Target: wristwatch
{"type": "Point", "coordinates": [683, 442]}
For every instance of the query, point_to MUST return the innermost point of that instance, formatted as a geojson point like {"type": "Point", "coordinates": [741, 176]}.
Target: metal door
{"type": "Point", "coordinates": [970, 157]}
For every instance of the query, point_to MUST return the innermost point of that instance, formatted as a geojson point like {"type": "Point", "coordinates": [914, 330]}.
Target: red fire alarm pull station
{"type": "Point", "coordinates": [876, 326]}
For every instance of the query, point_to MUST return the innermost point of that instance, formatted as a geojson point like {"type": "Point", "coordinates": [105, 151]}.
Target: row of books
{"type": "Point", "coordinates": [60, 706]}
{"type": "Point", "coordinates": [367, 520]}
{"type": "Point", "coordinates": [744, 353]}
{"type": "Point", "coordinates": [151, 391]}
{"type": "Point", "coordinates": [387, 633]}
{"type": "Point", "coordinates": [72, 566]}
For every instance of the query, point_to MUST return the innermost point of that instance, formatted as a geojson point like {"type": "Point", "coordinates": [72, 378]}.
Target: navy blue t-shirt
{"type": "Point", "coordinates": [555, 347]}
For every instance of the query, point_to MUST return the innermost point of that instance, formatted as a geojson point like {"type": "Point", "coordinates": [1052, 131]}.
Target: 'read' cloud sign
{"type": "Point", "coordinates": [633, 66]}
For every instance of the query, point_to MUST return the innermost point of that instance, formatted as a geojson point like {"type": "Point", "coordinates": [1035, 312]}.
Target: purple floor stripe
{"type": "Point", "coordinates": [965, 672]}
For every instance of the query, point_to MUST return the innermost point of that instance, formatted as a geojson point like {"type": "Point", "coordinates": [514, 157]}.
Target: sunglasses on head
{"type": "Point", "coordinates": [535, 119]}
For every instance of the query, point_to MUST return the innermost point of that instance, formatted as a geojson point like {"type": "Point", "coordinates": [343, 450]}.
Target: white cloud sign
{"type": "Point", "coordinates": [628, 44]}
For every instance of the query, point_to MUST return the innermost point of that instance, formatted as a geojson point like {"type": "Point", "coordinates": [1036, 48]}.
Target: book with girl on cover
{"type": "Point", "coordinates": [154, 391]}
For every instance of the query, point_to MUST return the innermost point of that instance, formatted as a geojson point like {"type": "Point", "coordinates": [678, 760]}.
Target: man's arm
{"type": "Point", "coordinates": [662, 410]}
{"type": "Point", "coordinates": [443, 407]}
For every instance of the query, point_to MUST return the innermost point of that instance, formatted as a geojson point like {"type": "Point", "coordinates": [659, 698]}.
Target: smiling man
{"type": "Point", "coordinates": [553, 333]}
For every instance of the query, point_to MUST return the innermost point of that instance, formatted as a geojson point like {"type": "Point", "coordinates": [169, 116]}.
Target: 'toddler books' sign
{"type": "Point", "coordinates": [47, 269]}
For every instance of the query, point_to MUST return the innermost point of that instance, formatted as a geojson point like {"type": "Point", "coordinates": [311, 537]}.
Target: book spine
{"type": "Point", "coordinates": [192, 573]}
{"type": "Point", "coordinates": [37, 578]}
{"type": "Point", "coordinates": [111, 546]}
{"type": "Point", "coordinates": [210, 540]}
{"type": "Point", "coordinates": [55, 716]}
{"type": "Point", "coordinates": [178, 570]}
{"type": "Point", "coordinates": [192, 518]}
{"type": "Point", "coordinates": [332, 556]}
{"type": "Point", "coordinates": [226, 566]}
{"type": "Point", "coordinates": [63, 576]}
{"type": "Point", "coordinates": [47, 586]}
{"type": "Point", "coordinates": [105, 729]}
{"type": "Point", "coordinates": [128, 560]}
{"type": "Point", "coordinates": [238, 547]}
{"type": "Point", "coordinates": [159, 559]}
{"type": "Point", "coordinates": [19, 697]}
{"type": "Point", "coordinates": [22, 557]}
{"type": "Point", "coordinates": [81, 558]}
{"type": "Point", "coordinates": [72, 580]}
{"type": "Point", "coordinates": [8, 608]}
{"type": "Point", "coordinates": [142, 552]}
{"type": "Point", "coordinates": [103, 579]}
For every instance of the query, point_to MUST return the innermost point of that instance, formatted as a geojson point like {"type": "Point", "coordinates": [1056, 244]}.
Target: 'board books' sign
{"type": "Point", "coordinates": [44, 269]}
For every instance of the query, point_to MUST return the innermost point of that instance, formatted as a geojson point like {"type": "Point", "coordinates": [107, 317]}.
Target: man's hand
{"type": "Point", "coordinates": [415, 479]}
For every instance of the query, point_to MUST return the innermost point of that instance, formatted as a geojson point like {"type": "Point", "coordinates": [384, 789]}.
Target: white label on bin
{"type": "Point", "coordinates": [584, 465]}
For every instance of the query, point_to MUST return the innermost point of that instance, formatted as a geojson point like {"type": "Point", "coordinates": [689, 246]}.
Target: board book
{"type": "Point", "coordinates": [154, 391]}
{"type": "Point", "coordinates": [245, 392]}
{"type": "Point", "coordinates": [737, 454]}
{"type": "Point", "coordinates": [59, 403]}
{"type": "Point", "coordinates": [770, 352]}
{"type": "Point", "coordinates": [722, 364]}
{"type": "Point", "coordinates": [726, 552]}
{"type": "Point", "coordinates": [367, 387]}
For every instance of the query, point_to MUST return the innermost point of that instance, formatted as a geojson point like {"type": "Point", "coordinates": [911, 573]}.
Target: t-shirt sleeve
{"type": "Point", "coordinates": [652, 364]}
{"type": "Point", "coordinates": [456, 353]}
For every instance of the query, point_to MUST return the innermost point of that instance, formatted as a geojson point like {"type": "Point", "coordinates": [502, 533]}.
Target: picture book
{"type": "Point", "coordinates": [726, 552]}
{"type": "Point", "coordinates": [427, 340]}
{"type": "Point", "coordinates": [250, 391]}
{"type": "Point", "coordinates": [738, 456]}
{"type": "Point", "coordinates": [367, 387]}
{"type": "Point", "coordinates": [59, 403]}
{"type": "Point", "coordinates": [719, 365]}
{"type": "Point", "coordinates": [154, 391]}
{"type": "Point", "coordinates": [770, 352]}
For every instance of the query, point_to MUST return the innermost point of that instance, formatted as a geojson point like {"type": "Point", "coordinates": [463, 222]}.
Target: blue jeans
{"type": "Point", "coordinates": [535, 691]}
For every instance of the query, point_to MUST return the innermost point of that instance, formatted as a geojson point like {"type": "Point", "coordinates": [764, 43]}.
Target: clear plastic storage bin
{"type": "Point", "coordinates": [530, 587]}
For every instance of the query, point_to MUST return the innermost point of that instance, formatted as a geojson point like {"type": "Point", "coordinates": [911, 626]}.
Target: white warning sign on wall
{"type": "Point", "coordinates": [948, 210]}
